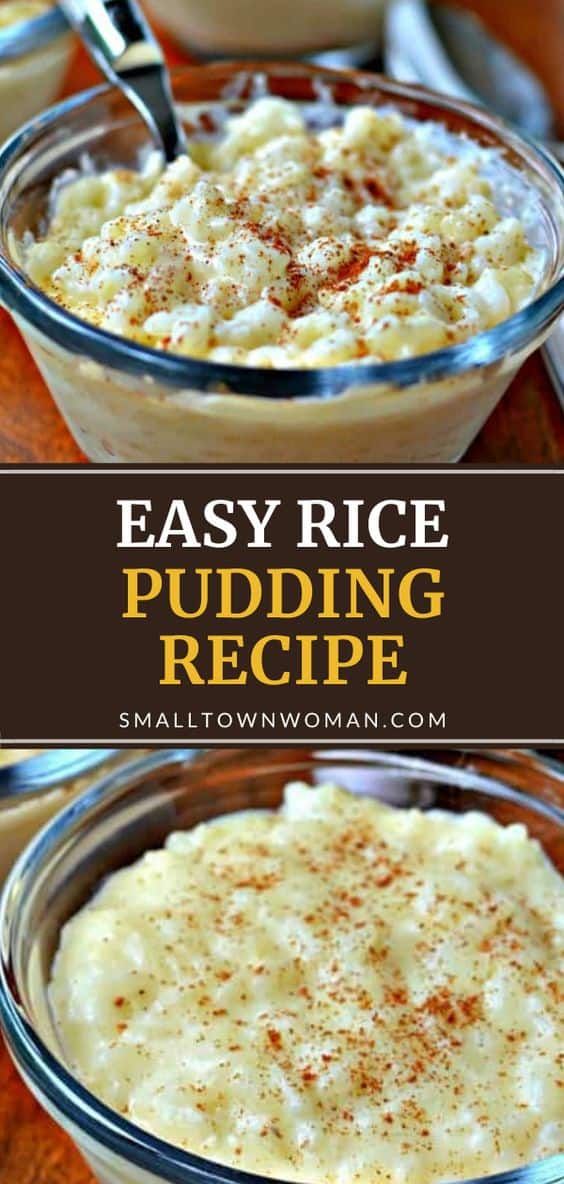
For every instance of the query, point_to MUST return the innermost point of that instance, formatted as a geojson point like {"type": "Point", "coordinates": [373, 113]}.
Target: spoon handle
{"type": "Point", "coordinates": [124, 47]}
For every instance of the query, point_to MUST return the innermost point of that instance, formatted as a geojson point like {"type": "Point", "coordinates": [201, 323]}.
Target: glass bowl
{"type": "Point", "coordinates": [35, 784]}
{"type": "Point", "coordinates": [233, 27]}
{"type": "Point", "coordinates": [34, 56]}
{"type": "Point", "coordinates": [128, 403]}
{"type": "Point", "coordinates": [134, 809]}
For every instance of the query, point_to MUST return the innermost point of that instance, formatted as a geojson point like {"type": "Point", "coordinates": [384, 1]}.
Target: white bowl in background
{"type": "Point", "coordinates": [277, 27]}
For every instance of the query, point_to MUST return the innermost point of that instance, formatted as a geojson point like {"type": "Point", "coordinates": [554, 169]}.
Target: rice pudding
{"type": "Point", "coordinates": [279, 245]}
{"type": "Point", "coordinates": [336, 991]}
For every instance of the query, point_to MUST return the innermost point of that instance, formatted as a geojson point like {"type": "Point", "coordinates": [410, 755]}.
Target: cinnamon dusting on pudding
{"type": "Point", "coordinates": [275, 244]}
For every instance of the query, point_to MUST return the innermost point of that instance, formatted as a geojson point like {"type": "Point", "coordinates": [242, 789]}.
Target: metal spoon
{"type": "Point", "coordinates": [451, 51]}
{"type": "Point", "coordinates": [122, 44]}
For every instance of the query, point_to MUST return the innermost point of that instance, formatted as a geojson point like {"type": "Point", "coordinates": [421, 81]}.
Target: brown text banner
{"type": "Point", "coordinates": [380, 606]}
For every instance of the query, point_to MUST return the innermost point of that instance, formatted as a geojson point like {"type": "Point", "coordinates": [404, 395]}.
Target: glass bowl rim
{"type": "Point", "coordinates": [107, 349]}
{"type": "Point", "coordinates": [97, 1121]}
{"type": "Point", "coordinates": [27, 36]}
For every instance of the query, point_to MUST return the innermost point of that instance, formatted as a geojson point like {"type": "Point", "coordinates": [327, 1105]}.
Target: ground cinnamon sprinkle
{"type": "Point", "coordinates": [453, 1009]}
{"type": "Point", "coordinates": [273, 220]}
{"type": "Point", "coordinates": [410, 286]}
{"type": "Point", "coordinates": [396, 996]}
{"type": "Point", "coordinates": [378, 191]}
{"type": "Point", "coordinates": [350, 271]}
{"type": "Point", "coordinates": [308, 1075]}
{"type": "Point", "coordinates": [407, 255]}
{"type": "Point", "coordinates": [274, 1037]}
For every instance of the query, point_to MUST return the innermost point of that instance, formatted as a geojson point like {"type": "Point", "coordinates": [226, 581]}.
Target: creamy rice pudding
{"type": "Point", "coordinates": [277, 244]}
{"type": "Point", "coordinates": [23, 814]}
{"type": "Point", "coordinates": [28, 84]}
{"type": "Point", "coordinates": [337, 991]}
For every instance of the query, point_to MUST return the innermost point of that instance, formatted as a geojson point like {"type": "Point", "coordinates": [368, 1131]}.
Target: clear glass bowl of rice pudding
{"type": "Point", "coordinates": [342, 269]}
{"type": "Point", "coordinates": [35, 50]}
{"type": "Point", "coordinates": [297, 965]}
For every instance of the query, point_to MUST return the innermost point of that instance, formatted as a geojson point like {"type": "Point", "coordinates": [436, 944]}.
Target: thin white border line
{"type": "Point", "coordinates": [111, 470]}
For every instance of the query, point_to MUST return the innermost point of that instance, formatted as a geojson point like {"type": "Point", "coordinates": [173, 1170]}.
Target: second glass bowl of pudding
{"type": "Point", "coordinates": [35, 51]}
{"type": "Point", "coordinates": [127, 402]}
{"type": "Point", "coordinates": [137, 808]}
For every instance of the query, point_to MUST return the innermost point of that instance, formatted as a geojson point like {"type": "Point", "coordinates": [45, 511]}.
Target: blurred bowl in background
{"type": "Point", "coordinates": [35, 51]}
{"type": "Point", "coordinates": [35, 783]}
{"type": "Point", "coordinates": [280, 27]}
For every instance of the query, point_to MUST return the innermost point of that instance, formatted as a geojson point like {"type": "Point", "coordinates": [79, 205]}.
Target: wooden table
{"type": "Point", "coordinates": [32, 1150]}
{"type": "Point", "coordinates": [528, 425]}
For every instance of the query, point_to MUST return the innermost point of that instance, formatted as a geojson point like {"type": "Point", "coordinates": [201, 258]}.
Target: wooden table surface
{"type": "Point", "coordinates": [527, 426]}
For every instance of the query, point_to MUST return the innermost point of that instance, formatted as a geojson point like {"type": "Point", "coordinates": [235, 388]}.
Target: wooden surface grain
{"type": "Point", "coordinates": [32, 1149]}
{"type": "Point", "coordinates": [528, 425]}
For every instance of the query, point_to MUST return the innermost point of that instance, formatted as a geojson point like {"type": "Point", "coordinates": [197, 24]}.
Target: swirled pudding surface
{"type": "Point", "coordinates": [276, 244]}
{"type": "Point", "coordinates": [336, 991]}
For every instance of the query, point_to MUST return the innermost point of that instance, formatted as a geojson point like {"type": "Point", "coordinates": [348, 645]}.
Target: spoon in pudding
{"type": "Point", "coordinates": [122, 44]}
